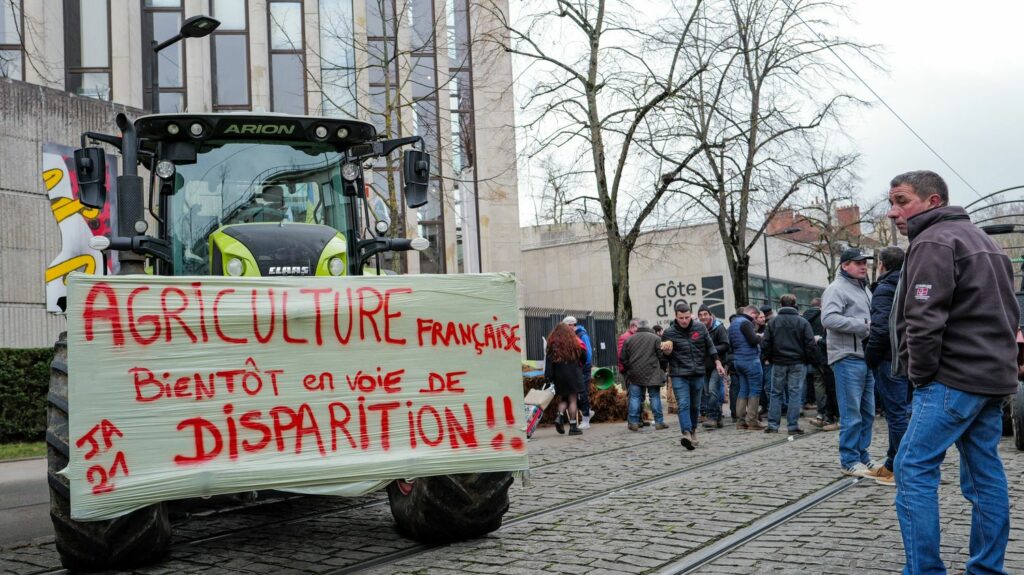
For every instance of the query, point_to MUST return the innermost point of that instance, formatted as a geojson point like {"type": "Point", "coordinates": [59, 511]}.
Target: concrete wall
{"type": "Point", "coordinates": [567, 266]}
{"type": "Point", "coordinates": [29, 237]}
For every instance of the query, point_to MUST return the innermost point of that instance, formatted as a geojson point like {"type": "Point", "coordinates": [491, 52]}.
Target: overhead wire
{"type": "Point", "coordinates": [881, 99]}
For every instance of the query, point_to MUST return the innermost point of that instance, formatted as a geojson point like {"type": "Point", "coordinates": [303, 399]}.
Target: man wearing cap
{"type": "Point", "coordinates": [846, 316]}
{"type": "Point", "coordinates": [955, 318]}
{"type": "Point", "coordinates": [714, 382]}
{"type": "Point", "coordinates": [583, 401]}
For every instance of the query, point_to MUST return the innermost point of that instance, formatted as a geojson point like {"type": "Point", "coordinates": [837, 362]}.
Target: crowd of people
{"type": "Point", "coordinates": [933, 340]}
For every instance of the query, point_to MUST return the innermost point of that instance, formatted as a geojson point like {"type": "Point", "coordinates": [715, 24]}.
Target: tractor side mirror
{"type": "Point", "coordinates": [416, 169]}
{"type": "Point", "coordinates": [91, 168]}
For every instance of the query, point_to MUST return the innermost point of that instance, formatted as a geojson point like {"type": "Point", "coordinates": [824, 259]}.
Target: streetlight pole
{"type": "Point", "coordinates": [194, 27]}
{"type": "Point", "coordinates": [767, 268]}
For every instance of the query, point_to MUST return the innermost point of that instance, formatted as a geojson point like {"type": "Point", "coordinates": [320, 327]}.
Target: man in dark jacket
{"type": "Point", "coordinates": [714, 384]}
{"type": "Point", "coordinates": [787, 342]}
{"type": "Point", "coordinates": [688, 344]}
{"type": "Point", "coordinates": [766, 315]}
{"type": "Point", "coordinates": [746, 359]}
{"type": "Point", "coordinates": [644, 366]}
{"type": "Point", "coordinates": [820, 375]}
{"type": "Point", "coordinates": [956, 318]}
{"type": "Point", "coordinates": [892, 391]}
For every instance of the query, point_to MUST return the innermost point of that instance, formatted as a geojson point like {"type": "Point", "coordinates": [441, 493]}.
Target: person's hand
{"type": "Point", "coordinates": [817, 339]}
{"type": "Point", "coordinates": [721, 370]}
{"type": "Point", "coordinates": [666, 347]}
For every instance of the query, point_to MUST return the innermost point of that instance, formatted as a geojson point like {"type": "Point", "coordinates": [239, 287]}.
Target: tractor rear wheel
{"type": "Point", "coordinates": [134, 539]}
{"type": "Point", "coordinates": [448, 508]}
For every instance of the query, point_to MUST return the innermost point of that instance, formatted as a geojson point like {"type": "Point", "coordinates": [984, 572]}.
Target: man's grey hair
{"type": "Point", "coordinates": [924, 184]}
{"type": "Point", "coordinates": [642, 323]}
{"type": "Point", "coordinates": [635, 322]}
{"type": "Point", "coordinates": [788, 300]}
{"type": "Point", "coordinates": [751, 310]}
{"type": "Point", "coordinates": [892, 258]}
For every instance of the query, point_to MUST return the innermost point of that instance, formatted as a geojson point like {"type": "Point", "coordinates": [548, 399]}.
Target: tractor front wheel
{"type": "Point", "coordinates": [134, 539]}
{"type": "Point", "coordinates": [448, 508]}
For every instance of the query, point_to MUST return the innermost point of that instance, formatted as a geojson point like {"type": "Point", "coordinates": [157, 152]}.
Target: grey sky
{"type": "Point", "coordinates": [955, 74]}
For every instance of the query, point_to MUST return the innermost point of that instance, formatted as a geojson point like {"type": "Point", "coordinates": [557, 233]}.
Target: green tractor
{"type": "Point", "coordinates": [1013, 405]}
{"type": "Point", "coordinates": [247, 195]}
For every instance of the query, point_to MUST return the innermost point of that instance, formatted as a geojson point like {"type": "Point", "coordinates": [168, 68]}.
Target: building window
{"type": "Point", "coordinates": [231, 55]}
{"type": "Point", "coordinates": [161, 19]}
{"type": "Point", "coordinates": [287, 57]}
{"type": "Point", "coordinates": [12, 52]}
{"type": "Point", "coordinates": [337, 59]}
{"type": "Point", "coordinates": [426, 124]}
{"type": "Point", "coordinates": [462, 131]}
{"type": "Point", "coordinates": [87, 48]}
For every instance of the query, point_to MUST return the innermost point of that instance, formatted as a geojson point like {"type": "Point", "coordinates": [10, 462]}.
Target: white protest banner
{"type": "Point", "coordinates": [187, 386]}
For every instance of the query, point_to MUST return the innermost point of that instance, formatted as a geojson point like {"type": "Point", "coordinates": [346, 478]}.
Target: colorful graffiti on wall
{"type": "Point", "coordinates": [77, 223]}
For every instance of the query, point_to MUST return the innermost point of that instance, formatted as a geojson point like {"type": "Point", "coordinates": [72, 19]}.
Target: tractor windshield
{"type": "Point", "coordinates": [249, 182]}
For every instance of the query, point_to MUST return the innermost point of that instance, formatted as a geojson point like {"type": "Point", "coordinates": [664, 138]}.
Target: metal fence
{"type": "Point", "coordinates": [599, 325]}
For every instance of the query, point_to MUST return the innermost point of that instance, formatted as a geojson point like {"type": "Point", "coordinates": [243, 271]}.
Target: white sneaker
{"type": "Point", "coordinates": [858, 470]}
{"type": "Point", "coordinates": [586, 422]}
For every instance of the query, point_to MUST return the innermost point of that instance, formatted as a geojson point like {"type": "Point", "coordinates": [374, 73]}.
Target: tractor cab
{"type": "Point", "coordinates": [250, 194]}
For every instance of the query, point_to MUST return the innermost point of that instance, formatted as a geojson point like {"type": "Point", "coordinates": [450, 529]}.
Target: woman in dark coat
{"type": "Point", "coordinates": [563, 366]}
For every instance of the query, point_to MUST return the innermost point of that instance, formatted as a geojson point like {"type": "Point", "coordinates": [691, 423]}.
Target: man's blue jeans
{"type": "Point", "coordinates": [855, 390]}
{"type": "Point", "coordinates": [687, 390]}
{"type": "Point", "coordinates": [894, 395]}
{"type": "Point", "coordinates": [749, 374]}
{"type": "Point", "coordinates": [941, 417]}
{"type": "Point", "coordinates": [714, 390]}
{"type": "Point", "coordinates": [786, 378]}
{"type": "Point", "coordinates": [636, 402]}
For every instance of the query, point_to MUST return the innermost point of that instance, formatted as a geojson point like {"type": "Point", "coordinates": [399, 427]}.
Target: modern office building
{"type": "Point", "coordinates": [411, 67]}
{"type": "Point", "coordinates": [566, 266]}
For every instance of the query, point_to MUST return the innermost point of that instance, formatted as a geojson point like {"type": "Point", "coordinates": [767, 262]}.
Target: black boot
{"type": "Point", "coordinates": [574, 429]}
{"type": "Point", "coordinates": [559, 426]}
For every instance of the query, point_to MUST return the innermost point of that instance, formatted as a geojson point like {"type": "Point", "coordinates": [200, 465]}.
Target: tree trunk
{"type": "Point", "coordinates": [740, 270]}
{"type": "Point", "coordinates": [619, 257]}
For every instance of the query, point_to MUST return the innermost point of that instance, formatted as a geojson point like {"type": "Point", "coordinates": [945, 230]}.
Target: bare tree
{"type": "Point", "coordinates": [561, 183]}
{"type": "Point", "coordinates": [386, 74]}
{"type": "Point", "coordinates": [768, 89]}
{"type": "Point", "coordinates": [15, 59]}
{"type": "Point", "coordinates": [833, 187]}
{"type": "Point", "coordinates": [604, 78]}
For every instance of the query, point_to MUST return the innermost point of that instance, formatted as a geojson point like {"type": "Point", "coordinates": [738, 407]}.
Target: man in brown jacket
{"type": "Point", "coordinates": [955, 319]}
{"type": "Point", "coordinates": [644, 366]}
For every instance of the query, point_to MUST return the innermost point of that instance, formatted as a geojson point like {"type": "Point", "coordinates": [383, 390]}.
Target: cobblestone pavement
{"type": "Point", "coordinates": [622, 530]}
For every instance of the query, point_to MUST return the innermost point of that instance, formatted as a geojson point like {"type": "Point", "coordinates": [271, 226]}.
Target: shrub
{"type": "Point", "coordinates": [608, 404]}
{"type": "Point", "coordinates": [24, 379]}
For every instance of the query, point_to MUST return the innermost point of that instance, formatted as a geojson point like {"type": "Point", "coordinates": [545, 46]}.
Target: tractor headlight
{"type": "Point", "coordinates": [165, 169]}
{"type": "Point", "coordinates": [342, 133]}
{"type": "Point", "coordinates": [235, 267]}
{"type": "Point", "coordinates": [336, 266]}
{"type": "Point", "coordinates": [350, 171]}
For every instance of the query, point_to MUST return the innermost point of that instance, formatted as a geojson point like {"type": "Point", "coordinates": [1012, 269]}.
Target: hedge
{"type": "Point", "coordinates": [24, 378]}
